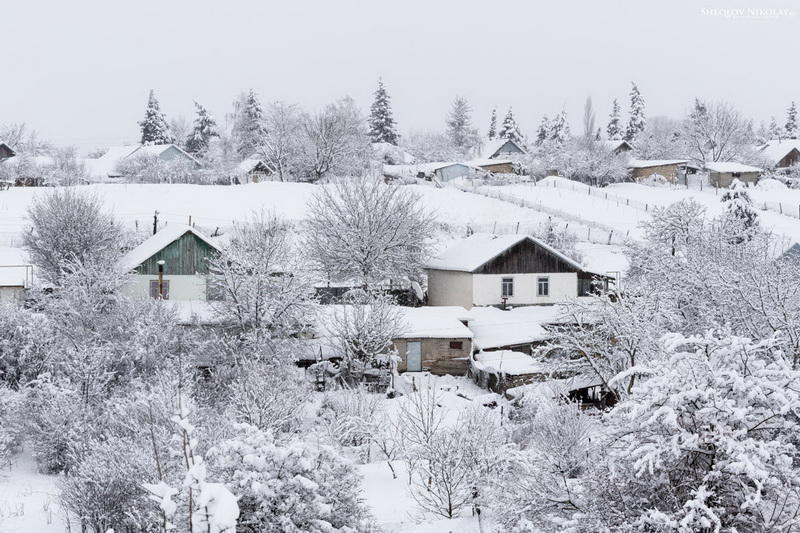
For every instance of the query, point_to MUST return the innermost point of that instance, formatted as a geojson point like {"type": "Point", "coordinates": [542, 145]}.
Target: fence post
{"type": "Point", "coordinates": [610, 233]}
{"type": "Point", "coordinates": [646, 207]}
{"type": "Point", "coordinates": [780, 207]}
{"type": "Point", "coordinates": [517, 230]}
{"type": "Point", "coordinates": [589, 235]}
{"type": "Point", "coordinates": [627, 201]}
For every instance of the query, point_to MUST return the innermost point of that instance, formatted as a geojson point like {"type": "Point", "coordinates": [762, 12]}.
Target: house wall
{"type": "Point", "coordinates": [11, 294]}
{"type": "Point", "coordinates": [187, 256]}
{"type": "Point", "coordinates": [724, 179]}
{"type": "Point", "coordinates": [173, 154]}
{"type": "Point", "coordinates": [453, 171]}
{"type": "Point", "coordinates": [437, 356]}
{"type": "Point", "coordinates": [500, 168]}
{"type": "Point", "coordinates": [668, 171]}
{"type": "Point", "coordinates": [792, 158]}
{"type": "Point", "coordinates": [507, 148]}
{"type": "Point", "coordinates": [446, 287]}
{"type": "Point", "coordinates": [487, 288]}
{"type": "Point", "coordinates": [189, 287]}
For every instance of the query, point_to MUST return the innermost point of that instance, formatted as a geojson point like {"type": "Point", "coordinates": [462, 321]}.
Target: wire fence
{"type": "Point", "coordinates": [584, 230]}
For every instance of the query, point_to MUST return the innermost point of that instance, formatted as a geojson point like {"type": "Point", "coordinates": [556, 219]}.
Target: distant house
{"type": "Point", "coordinates": [670, 169]}
{"type": "Point", "coordinates": [253, 170]}
{"type": "Point", "coordinates": [171, 265]}
{"type": "Point", "coordinates": [495, 166]}
{"type": "Point", "coordinates": [6, 151]}
{"type": "Point", "coordinates": [781, 153]}
{"type": "Point", "coordinates": [505, 270]}
{"type": "Point", "coordinates": [434, 339]}
{"type": "Point", "coordinates": [29, 170]}
{"type": "Point", "coordinates": [617, 146]}
{"type": "Point", "coordinates": [107, 166]}
{"type": "Point", "coordinates": [722, 174]}
{"type": "Point", "coordinates": [501, 148]}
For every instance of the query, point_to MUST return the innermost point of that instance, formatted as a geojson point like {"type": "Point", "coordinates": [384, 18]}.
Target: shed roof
{"type": "Point", "coordinates": [446, 322]}
{"type": "Point", "coordinates": [730, 166]}
{"type": "Point", "coordinates": [492, 147]}
{"type": "Point", "coordinates": [496, 328]}
{"type": "Point", "coordinates": [467, 255]}
{"type": "Point", "coordinates": [159, 241]}
{"type": "Point", "coordinates": [647, 163]}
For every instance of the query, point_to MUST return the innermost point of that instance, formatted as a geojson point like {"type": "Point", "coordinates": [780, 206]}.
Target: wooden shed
{"type": "Point", "coordinates": [670, 169]}
{"type": "Point", "coordinates": [171, 265]}
{"type": "Point", "coordinates": [781, 153]}
{"type": "Point", "coordinates": [723, 174]}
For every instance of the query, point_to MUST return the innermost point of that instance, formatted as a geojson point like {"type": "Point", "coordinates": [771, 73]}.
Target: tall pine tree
{"type": "Point", "coordinates": [493, 125]}
{"type": "Point", "coordinates": [459, 124]}
{"type": "Point", "coordinates": [774, 131]}
{"type": "Point", "coordinates": [509, 129]}
{"type": "Point", "coordinates": [637, 120]}
{"type": "Point", "coordinates": [559, 128]}
{"type": "Point", "coordinates": [613, 130]}
{"type": "Point", "coordinates": [791, 122]}
{"type": "Point", "coordinates": [381, 122]}
{"type": "Point", "coordinates": [248, 126]}
{"type": "Point", "coordinates": [203, 130]}
{"type": "Point", "coordinates": [543, 131]}
{"type": "Point", "coordinates": [155, 129]}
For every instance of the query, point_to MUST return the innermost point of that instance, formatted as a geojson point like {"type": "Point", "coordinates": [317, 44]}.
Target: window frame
{"type": "Point", "coordinates": [543, 281]}
{"type": "Point", "coordinates": [507, 287]}
{"type": "Point", "coordinates": [456, 345]}
{"type": "Point", "coordinates": [154, 289]}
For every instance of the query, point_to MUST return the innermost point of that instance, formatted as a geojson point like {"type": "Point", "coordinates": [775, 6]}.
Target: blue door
{"type": "Point", "coordinates": [414, 356]}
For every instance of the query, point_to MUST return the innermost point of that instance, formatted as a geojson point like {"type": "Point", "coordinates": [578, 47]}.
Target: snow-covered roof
{"type": "Point", "coordinates": [467, 255]}
{"type": "Point", "coordinates": [106, 165]}
{"type": "Point", "coordinates": [248, 165]}
{"type": "Point", "coordinates": [158, 149]}
{"type": "Point", "coordinates": [13, 152]}
{"type": "Point", "coordinates": [494, 328]}
{"type": "Point", "coordinates": [777, 149]}
{"type": "Point", "coordinates": [37, 160]}
{"type": "Point", "coordinates": [158, 242]}
{"type": "Point", "coordinates": [493, 146]}
{"type": "Point", "coordinates": [445, 322]}
{"type": "Point", "coordinates": [647, 163]}
{"type": "Point", "coordinates": [730, 166]}
{"type": "Point", "coordinates": [612, 145]}
{"type": "Point", "coordinates": [507, 362]}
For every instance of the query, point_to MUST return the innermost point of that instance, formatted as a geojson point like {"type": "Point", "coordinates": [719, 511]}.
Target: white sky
{"type": "Point", "coordinates": [79, 71]}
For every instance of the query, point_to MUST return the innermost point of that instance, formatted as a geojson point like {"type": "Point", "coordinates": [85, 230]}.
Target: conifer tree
{"type": "Point", "coordinates": [637, 120]}
{"type": "Point", "coordinates": [543, 131]}
{"type": "Point", "coordinates": [559, 128]}
{"type": "Point", "coordinates": [459, 124]}
{"type": "Point", "coordinates": [381, 122]}
{"type": "Point", "coordinates": [509, 129]}
{"type": "Point", "coordinates": [613, 130]}
{"type": "Point", "coordinates": [155, 129]}
{"type": "Point", "coordinates": [248, 128]}
{"type": "Point", "coordinates": [775, 131]}
{"type": "Point", "coordinates": [203, 130]}
{"type": "Point", "coordinates": [493, 125]}
{"type": "Point", "coordinates": [791, 122]}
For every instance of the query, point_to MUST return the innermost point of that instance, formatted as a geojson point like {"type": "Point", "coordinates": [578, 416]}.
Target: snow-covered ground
{"type": "Point", "coordinates": [28, 499]}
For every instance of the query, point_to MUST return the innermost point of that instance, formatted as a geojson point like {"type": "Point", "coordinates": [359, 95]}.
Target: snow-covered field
{"type": "Point", "coordinates": [29, 500]}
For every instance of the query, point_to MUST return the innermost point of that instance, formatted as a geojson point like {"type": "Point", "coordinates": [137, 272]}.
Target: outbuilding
{"type": "Point", "coordinates": [781, 153]}
{"type": "Point", "coordinates": [722, 174]}
{"type": "Point", "coordinates": [670, 169]}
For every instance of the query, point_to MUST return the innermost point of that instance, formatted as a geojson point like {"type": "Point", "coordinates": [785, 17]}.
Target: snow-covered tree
{"type": "Point", "coordinates": [739, 206]}
{"type": "Point", "coordinates": [459, 125]}
{"type": "Point", "coordinates": [791, 122]}
{"type": "Point", "coordinates": [717, 132]}
{"type": "Point", "coordinates": [559, 128]}
{"type": "Point", "coordinates": [381, 122]}
{"type": "Point", "coordinates": [248, 125]}
{"type": "Point", "coordinates": [774, 130]}
{"type": "Point", "coordinates": [661, 139]}
{"type": "Point", "coordinates": [364, 230]}
{"type": "Point", "coordinates": [636, 120]}
{"type": "Point", "coordinates": [289, 486]}
{"type": "Point", "coordinates": [259, 281]}
{"type": "Point", "coordinates": [543, 131]}
{"type": "Point", "coordinates": [588, 119]}
{"type": "Point", "coordinates": [509, 129]}
{"type": "Point", "coordinates": [280, 146]}
{"type": "Point", "coordinates": [492, 133]}
{"type": "Point", "coordinates": [334, 141]}
{"type": "Point", "coordinates": [69, 227]}
{"type": "Point", "coordinates": [614, 128]}
{"type": "Point", "coordinates": [155, 128]}
{"type": "Point", "coordinates": [203, 131]}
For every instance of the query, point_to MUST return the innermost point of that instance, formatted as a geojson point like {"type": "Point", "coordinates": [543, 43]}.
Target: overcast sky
{"type": "Point", "coordinates": [79, 71]}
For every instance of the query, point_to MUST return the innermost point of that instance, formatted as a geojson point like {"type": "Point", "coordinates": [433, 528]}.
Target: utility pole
{"type": "Point", "coordinates": [155, 222]}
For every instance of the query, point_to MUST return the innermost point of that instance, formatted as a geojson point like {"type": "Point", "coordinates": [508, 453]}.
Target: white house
{"type": "Point", "coordinates": [106, 166]}
{"type": "Point", "coordinates": [502, 270]}
{"type": "Point", "coordinates": [171, 265]}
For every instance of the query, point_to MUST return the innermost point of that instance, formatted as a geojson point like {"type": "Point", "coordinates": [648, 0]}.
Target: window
{"type": "Point", "coordinates": [507, 287]}
{"type": "Point", "coordinates": [456, 345]}
{"type": "Point", "coordinates": [154, 289]}
{"type": "Point", "coordinates": [543, 286]}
